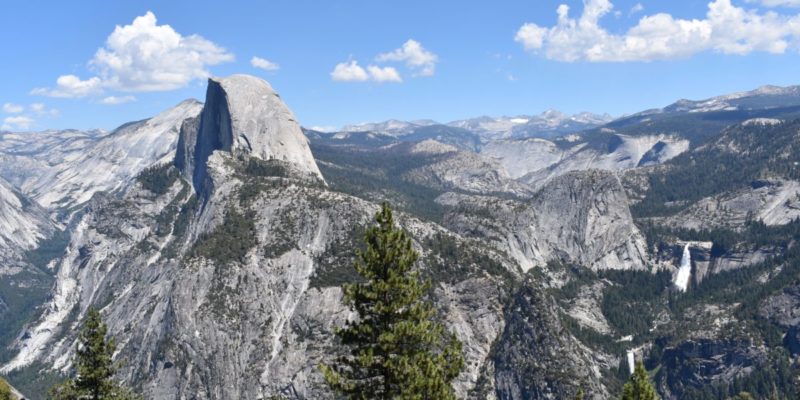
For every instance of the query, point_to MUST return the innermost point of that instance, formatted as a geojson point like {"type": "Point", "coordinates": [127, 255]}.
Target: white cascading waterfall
{"type": "Point", "coordinates": [685, 270]}
{"type": "Point", "coordinates": [631, 362]}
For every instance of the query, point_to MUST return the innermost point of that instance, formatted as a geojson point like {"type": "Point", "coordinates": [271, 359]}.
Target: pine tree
{"type": "Point", "coordinates": [5, 391]}
{"type": "Point", "coordinates": [639, 386]}
{"type": "Point", "coordinates": [397, 350]}
{"type": "Point", "coordinates": [94, 364]}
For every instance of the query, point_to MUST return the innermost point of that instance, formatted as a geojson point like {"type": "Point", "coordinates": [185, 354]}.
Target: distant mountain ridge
{"type": "Point", "coordinates": [550, 123]}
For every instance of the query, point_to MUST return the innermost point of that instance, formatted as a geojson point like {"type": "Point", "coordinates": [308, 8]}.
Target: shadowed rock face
{"type": "Point", "coordinates": [243, 115]}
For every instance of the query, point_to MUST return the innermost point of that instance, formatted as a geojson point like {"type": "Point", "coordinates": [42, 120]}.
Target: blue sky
{"type": "Point", "coordinates": [461, 58]}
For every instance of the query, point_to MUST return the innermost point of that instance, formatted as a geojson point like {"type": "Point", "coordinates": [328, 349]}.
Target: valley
{"type": "Point", "coordinates": [215, 238]}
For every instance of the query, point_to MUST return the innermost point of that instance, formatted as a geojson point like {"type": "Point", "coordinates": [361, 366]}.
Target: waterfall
{"type": "Point", "coordinates": [685, 270]}
{"type": "Point", "coordinates": [631, 361]}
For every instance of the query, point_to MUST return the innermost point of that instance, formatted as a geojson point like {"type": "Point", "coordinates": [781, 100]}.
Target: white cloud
{"type": "Point", "coordinates": [143, 56]}
{"type": "Point", "coordinates": [383, 74]}
{"type": "Point", "coordinates": [726, 29]}
{"type": "Point", "coordinates": [349, 72]}
{"type": "Point", "coordinates": [414, 55]}
{"type": "Point", "coordinates": [264, 64]}
{"type": "Point", "coordinates": [637, 8]}
{"type": "Point", "coordinates": [10, 108]}
{"type": "Point", "coordinates": [17, 122]}
{"type": "Point", "coordinates": [41, 110]}
{"type": "Point", "coordinates": [112, 100]}
{"type": "Point", "coordinates": [71, 86]}
{"type": "Point", "coordinates": [352, 72]}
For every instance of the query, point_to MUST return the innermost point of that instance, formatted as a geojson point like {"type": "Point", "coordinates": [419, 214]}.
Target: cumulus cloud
{"type": "Point", "coordinates": [17, 122]}
{"type": "Point", "coordinates": [637, 8]}
{"type": "Point", "coordinates": [264, 64]}
{"type": "Point", "coordinates": [383, 74]}
{"type": "Point", "coordinates": [726, 29]}
{"type": "Point", "coordinates": [141, 57]}
{"type": "Point", "coordinates": [352, 72]}
{"type": "Point", "coordinates": [10, 108]}
{"type": "Point", "coordinates": [113, 100]}
{"type": "Point", "coordinates": [71, 86]}
{"type": "Point", "coordinates": [414, 56]}
{"type": "Point", "coordinates": [349, 72]}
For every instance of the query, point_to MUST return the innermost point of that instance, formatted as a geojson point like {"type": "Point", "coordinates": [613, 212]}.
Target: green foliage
{"type": "Point", "coordinates": [639, 386]}
{"type": "Point", "coordinates": [397, 350]}
{"type": "Point", "coordinates": [754, 234]}
{"type": "Point", "coordinates": [283, 234]}
{"type": "Point", "coordinates": [5, 391]}
{"type": "Point", "coordinates": [158, 178]}
{"type": "Point", "coordinates": [377, 174]}
{"type": "Point", "coordinates": [185, 214]}
{"type": "Point", "coordinates": [630, 305]}
{"type": "Point", "coordinates": [775, 380]}
{"type": "Point", "coordinates": [230, 241]}
{"type": "Point", "coordinates": [259, 167]}
{"type": "Point", "coordinates": [771, 150]}
{"type": "Point", "coordinates": [21, 297]}
{"type": "Point", "coordinates": [335, 264]}
{"type": "Point", "coordinates": [94, 366]}
{"type": "Point", "coordinates": [48, 249]}
{"type": "Point", "coordinates": [451, 261]}
{"type": "Point", "coordinates": [165, 219]}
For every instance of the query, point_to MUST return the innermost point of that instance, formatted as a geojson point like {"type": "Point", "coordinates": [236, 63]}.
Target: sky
{"type": "Point", "coordinates": [99, 64]}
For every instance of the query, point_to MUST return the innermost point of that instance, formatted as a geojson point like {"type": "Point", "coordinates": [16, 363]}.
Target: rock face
{"type": "Point", "coordinates": [64, 172]}
{"type": "Point", "coordinates": [454, 169]}
{"type": "Point", "coordinates": [238, 296]}
{"type": "Point", "coordinates": [535, 161]}
{"type": "Point", "coordinates": [22, 222]}
{"type": "Point", "coordinates": [244, 116]}
{"type": "Point", "coordinates": [533, 356]}
{"type": "Point", "coordinates": [581, 217]}
{"type": "Point", "coordinates": [697, 364]}
{"type": "Point", "coordinates": [771, 201]}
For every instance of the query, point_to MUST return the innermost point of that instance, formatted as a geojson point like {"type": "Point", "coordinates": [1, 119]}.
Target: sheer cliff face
{"type": "Point", "coordinates": [243, 116]}
{"type": "Point", "coordinates": [581, 217]}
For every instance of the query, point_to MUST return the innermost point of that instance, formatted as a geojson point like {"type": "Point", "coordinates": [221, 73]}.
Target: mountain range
{"type": "Point", "coordinates": [215, 237]}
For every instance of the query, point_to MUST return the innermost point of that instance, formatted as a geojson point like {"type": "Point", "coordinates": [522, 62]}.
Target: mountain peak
{"type": "Point", "coordinates": [242, 115]}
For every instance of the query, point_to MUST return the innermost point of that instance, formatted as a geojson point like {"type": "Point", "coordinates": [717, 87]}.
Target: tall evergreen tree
{"type": "Point", "coordinates": [5, 391]}
{"type": "Point", "coordinates": [94, 365]}
{"type": "Point", "coordinates": [397, 349]}
{"type": "Point", "coordinates": [639, 386]}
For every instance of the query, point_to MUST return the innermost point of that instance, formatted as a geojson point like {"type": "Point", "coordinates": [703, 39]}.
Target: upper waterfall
{"type": "Point", "coordinates": [685, 270]}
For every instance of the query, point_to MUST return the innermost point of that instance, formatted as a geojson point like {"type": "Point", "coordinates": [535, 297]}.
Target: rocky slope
{"type": "Point", "coordinates": [535, 161]}
{"type": "Point", "coordinates": [219, 269]}
{"type": "Point", "coordinates": [581, 217]}
{"type": "Point", "coordinates": [233, 292]}
{"type": "Point", "coordinates": [22, 222]}
{"type": "Point", "coordinates": [64, 170]}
